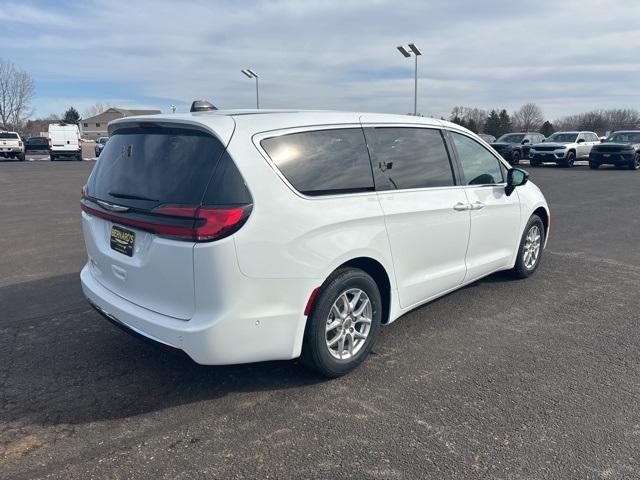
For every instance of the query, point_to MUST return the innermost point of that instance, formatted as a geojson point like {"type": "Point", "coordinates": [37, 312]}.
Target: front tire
{"type": "Point", "coordinates": [569, 160]}
{"type": "Point", "coordinates": [343, 324]}
{"type": "Point", "coordinates": [515, 158]}
{"type": "Point", "coordinates": [635, 163]}
{"type": "Point", "coordinates": [530, 249]}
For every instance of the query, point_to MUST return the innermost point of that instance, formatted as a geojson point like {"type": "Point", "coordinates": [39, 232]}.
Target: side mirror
{"type": "Point", "coordinates": [581, 140]}
{"type": "Point", "coordinates": [525, 141]}
{"type": "Point", "coordinates": [515, 178]}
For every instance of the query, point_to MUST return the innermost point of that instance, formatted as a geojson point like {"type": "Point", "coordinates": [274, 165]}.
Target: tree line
{"type": "Point", "coordinates": [530, 118]}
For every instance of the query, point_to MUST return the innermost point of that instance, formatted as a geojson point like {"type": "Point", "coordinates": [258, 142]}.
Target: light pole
{"type": "Point", "coordinates": [251, 74]}
{"type": "Point", "coordinates": [406, 53]}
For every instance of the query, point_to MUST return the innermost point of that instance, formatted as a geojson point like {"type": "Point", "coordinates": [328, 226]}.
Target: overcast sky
{"type": "Point", "coordinates": [567, 56]}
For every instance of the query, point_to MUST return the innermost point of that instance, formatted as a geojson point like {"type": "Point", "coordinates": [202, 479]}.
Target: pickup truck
{"type": "Point", "coordinates": [11, 145]}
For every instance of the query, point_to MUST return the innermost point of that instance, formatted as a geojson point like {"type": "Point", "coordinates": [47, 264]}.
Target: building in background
{"type": "Point", "coordinates": [95, 127]}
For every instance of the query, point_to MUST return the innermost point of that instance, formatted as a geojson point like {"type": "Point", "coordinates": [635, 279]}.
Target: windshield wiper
{"type": "Point", "coordinates": [131, 197]}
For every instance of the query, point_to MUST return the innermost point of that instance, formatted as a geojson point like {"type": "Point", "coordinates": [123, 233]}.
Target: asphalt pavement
{"type": "Point", "coordinates": [529, 379]}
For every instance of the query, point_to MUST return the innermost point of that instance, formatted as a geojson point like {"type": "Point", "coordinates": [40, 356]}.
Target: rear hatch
{"type": "Point", "coordinates": [64, 138]}
{"type": "Point", "coordinates": [146, 205]}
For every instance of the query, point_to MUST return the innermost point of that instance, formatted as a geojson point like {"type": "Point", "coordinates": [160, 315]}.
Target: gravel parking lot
{"type": "Point", "coordinates": [527, 379]}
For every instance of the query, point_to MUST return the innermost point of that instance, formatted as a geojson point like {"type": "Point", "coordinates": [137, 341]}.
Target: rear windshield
{"type": "Point", "coordinates": [5, 135]}
{"type": "Point", "coordinates": [147, 166]}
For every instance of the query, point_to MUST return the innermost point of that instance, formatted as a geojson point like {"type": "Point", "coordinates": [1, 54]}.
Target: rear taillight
{"type": "Point", "coordinates": [181, 222]}
{"type": "Point", "coordinates": [19, 143]}
{"type": "Point", "coordinates": [49, 142]}
{"type": "Point", "coordinates": [210, 223]}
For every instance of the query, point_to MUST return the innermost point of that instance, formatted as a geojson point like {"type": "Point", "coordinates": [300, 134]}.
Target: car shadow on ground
{"type": "Point", "coordinates": [62, 363]}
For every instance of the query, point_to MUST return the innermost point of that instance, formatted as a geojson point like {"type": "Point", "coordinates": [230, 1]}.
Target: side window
{"type": "Point", "coordinates": [594, 138]}
{"type": "Point", "coordinates": [409, 158]}
{"type": "Point", "coordinates": [581, 136]}
{"type": "Point", "coordinates": [478, 165]}
{"type": "Point", "coordinates": [322, 162]}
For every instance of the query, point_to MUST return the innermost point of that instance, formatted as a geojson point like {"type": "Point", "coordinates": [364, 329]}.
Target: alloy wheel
{"type": "Point", "coordinates": [532, 245]}
{"type": "Point", "coordinates": [348, 324]}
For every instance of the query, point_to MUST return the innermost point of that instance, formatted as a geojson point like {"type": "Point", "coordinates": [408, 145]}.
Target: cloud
{"type": "Point", "coordinates": [570, 56]}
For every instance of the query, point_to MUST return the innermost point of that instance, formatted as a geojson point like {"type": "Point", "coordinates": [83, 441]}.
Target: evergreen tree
{"type": "Point", "coordinates": [505, 122]}
{"type": "Point", "coordinates": [547, 128]}
{"type": "Point", "coordinates": [471, 125]}
{"type": "Point", "coordinates": [71, 116]}
{"type": "Point", "coordinates": [492, 125]}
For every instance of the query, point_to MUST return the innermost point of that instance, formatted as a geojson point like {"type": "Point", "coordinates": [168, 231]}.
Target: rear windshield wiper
{"type": "Point", "coordinates": [131, 197]}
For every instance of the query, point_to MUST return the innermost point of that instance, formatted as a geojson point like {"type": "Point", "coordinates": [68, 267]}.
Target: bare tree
{"type": "Point", "coordinates": [529, 118]}
{"type": "Point", "coordinates": [16, 91]}
{"type": "Point", "coordinates": [601, 121]}
{"type": "Point", "coordinates": [95, 109]}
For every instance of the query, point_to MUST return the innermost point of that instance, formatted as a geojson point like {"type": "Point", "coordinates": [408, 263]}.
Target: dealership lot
{"type": "Point", "coordinates": [503, 379]}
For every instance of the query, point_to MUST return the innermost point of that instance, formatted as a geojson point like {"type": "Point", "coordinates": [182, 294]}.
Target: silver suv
{"type": "Point", "coordinates": [564, 148]}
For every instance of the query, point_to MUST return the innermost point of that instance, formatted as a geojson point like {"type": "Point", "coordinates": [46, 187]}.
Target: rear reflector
{"type": "Point", "coordinates": [312, 297]}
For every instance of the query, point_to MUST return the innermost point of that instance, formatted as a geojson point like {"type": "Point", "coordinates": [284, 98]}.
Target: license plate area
{"type": "Point", "coordinates": [122, 240]}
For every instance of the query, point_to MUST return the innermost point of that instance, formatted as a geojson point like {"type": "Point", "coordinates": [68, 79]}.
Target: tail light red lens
{"type": "Point", "coordinates": [19, 143]}
{"type": "Point", "coordinates": [209, 223]}
{"type": "Point", "coordinates": [198, 224]}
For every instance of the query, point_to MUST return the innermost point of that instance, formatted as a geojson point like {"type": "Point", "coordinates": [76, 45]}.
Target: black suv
{"type": "Point", "coordinates": [620, 149]}
{"type": "Point", "coordinates": [515, 146]}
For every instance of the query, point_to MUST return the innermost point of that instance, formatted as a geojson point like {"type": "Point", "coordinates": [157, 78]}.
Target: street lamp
{"type": "Point", "coordinates": [406, 52]}
{"type": "Point", "coordinates": [251, 74]}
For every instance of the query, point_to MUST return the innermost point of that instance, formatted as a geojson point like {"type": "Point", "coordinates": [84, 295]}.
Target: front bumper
{"type": "Point", "coordinates": [552, 156]}
{"type": "Point", "coordinates": [612, 158]}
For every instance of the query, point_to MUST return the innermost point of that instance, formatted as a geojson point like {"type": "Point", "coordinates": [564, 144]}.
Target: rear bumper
{"type": "Point", "coordinates": [268, 327]}
{"type": "Point", "coordinates": [11, 151]}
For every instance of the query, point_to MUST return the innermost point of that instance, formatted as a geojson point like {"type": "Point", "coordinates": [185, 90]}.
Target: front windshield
{"type": "Point", "coordinates": [511, 138]}
{"type": "Point", "coordinates": [563, 137]}
{"type": "Point", "coordinates": [624, 137]}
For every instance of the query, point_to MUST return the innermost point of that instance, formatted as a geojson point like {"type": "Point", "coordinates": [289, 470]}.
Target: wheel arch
{"type": "Point", "coordinates": [378, 272]}
{"type": "Point", "coordinates": [545, 217]}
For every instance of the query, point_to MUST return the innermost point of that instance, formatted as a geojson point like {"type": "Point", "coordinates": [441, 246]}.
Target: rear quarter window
{"type": "Point", "coordinates": [322, 162]}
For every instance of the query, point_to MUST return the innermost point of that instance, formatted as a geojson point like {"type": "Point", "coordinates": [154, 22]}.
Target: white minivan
{"type": "Point", "coordinates": [243, 236]}
{"type": "Point", "coordinates": [64, 142]}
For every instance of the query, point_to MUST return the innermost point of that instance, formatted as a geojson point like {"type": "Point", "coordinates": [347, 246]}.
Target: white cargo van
{"type": "Point", "coordinates": [65, 141]}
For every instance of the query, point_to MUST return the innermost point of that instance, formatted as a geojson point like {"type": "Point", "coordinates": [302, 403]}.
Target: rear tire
{"type": "Point", "coordinates": [593, 165]}
{"type": "Point", "coordinates": [530, 249]}
{"type": "Point", "coordinates": [348, 307]}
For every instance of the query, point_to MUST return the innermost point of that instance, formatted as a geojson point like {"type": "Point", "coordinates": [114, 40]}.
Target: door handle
{"type": "Point", "coordinates": [477, 206]}
{"type": "Point", "coordinates": [461, 207]}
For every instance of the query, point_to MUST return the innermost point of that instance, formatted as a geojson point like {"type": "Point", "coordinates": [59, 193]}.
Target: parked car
{"type": "Point", "coordinates": [100, 143]}
{"type": "Point", "coordinates": [65, 141]}
{"type": "Point", "coordinates": [515, 146]}
{"type": "Point", "coordinates": [306, 233]}
{"type": "Point", "coordinates": [621, 149]}
{"type": "Point", "coordinates": [487, 138]}
{"type": "Point", "coordinates": [564, 148]}
{"type": "Point", "coordinates": [11, 145]}
{"type": "Point", "coordinates": [37, 144]}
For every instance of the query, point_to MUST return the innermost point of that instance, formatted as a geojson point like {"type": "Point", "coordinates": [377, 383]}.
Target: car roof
{"type": "Point", "coordinates": [266, 120]}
